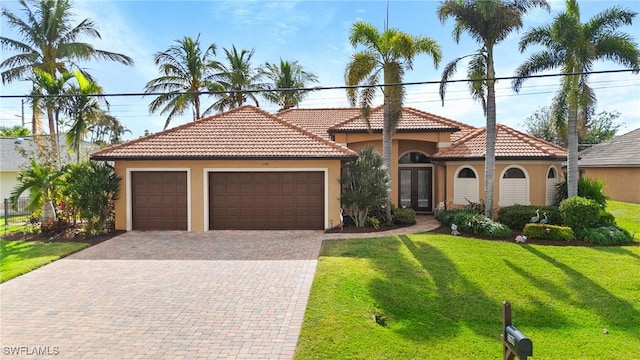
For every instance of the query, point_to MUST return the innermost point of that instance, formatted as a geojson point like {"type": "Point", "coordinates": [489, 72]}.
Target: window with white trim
{"type": "Point", "coordinates": [465, 186]}
{"type": "Point", "coordinates": [514, 187]}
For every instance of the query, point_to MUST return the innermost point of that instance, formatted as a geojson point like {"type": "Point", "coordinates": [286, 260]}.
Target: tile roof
{"type": "Point", "coordinates": [510, 143]}
{"type": "Point", "coordinates": [621, 151]}
{"type": "Point", "coordinates": [12, 160]}
{"type": "Point", "coordinates": [244, 132]}
{"type": "Point", "coordinates": [318, 120]}
{"type": "Point", "coordinates": [413, 120]}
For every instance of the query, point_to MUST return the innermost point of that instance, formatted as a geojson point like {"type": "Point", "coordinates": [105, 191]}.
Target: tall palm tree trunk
{"type": "Point", "coordinates": [386, 149]}
{"type": "Point", "coordinates": [490, 156]}
{"type": "Point", "coordinates": [572, 143]}
{"type": "Point", "coordinates": [52, 120]}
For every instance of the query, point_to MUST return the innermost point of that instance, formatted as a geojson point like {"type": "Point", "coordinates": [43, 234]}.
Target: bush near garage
{"type": "Point", "coordinates": [548, 232]}
{"type": "Point", "coordinates": [517, 216]}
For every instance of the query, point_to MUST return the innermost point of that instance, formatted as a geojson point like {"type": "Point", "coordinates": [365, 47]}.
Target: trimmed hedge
{"type": "Point", "coordinates": [548, 232]}
{"type": "Point", "coordinates": [517, 216]}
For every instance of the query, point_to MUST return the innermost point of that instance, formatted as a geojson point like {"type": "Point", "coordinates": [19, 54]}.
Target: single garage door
{"type": "Point", "coordinates": [159, 200]}
{"type": "Point", "coordinates": [266, 200]}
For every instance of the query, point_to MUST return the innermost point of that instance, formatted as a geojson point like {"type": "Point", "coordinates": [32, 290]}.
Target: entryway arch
{"type": "Point", "coordinates": [415, 181]}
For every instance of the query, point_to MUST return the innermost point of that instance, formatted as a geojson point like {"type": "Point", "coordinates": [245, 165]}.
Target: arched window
{"type": "Point", "coordinates": [514, 187]}
{"type": "Point", "coordinates": [414, 158]}
{"type": "Point", "coordinates": [551, 187]}
{"type": "Point", "coordinates": [465, 186]}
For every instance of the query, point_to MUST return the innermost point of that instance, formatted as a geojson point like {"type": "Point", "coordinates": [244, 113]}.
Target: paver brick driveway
{"type": "Point", "coordinates": [223, 294]}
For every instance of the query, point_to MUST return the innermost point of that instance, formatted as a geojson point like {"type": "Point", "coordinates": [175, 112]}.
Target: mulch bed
{"type": "Point", "coordinates": [446, 230]}
{"type": "Point", "coordinates": [365, 229]}
{"type": "Point", "coordinates": [21, 236]}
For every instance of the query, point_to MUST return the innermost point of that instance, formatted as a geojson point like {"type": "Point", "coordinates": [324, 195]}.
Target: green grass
{"type": "Point", "coordinates": [627, 214]}
{"type": "Point", "coordinates": [19, 257]}
{"type": "Point", "coordinates": [441, 296]}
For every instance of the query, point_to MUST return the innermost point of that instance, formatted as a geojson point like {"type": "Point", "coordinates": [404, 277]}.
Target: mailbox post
{"type": "Point", "coordinates": [514, 342]}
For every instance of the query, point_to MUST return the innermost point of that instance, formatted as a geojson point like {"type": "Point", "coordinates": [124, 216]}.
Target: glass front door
{"type": "Point", "coordinates": [415, 188]}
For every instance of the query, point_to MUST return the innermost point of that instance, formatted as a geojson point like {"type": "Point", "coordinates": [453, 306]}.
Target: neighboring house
{"type": "Point", "coordinates": [617, 163]}
{"type": "Point", "coordinates": [249, 169]}
{"type": "Point", "coordinates": [12, 161]}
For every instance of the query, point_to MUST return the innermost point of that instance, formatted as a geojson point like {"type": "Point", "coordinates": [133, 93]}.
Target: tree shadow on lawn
{"type": "Point", "coordinates": [435, 301]}
{"type": "Point", "coordinates": [618, 250]}
{"type": "Point", "coordinates": [610, 308]}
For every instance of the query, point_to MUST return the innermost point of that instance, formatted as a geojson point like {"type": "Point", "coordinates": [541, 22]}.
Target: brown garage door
{"type": "Point", "coordinates": [159, 200]}
{"type": "Point", "coordinates": [271, 200]}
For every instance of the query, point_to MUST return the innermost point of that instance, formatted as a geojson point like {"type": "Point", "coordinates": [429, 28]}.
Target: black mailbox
{"type": "Point", "coordinates": [518, 342]}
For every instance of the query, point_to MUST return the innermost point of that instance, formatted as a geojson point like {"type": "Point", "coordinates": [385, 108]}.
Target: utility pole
{"type": "Point", "coordinates": [22, 106]}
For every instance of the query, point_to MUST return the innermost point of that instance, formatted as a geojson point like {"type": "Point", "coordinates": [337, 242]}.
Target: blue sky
{"type": "Point", "coordinates": [315, 33]}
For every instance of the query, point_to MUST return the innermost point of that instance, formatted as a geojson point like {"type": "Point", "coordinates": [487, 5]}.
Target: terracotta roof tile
{"type": "Point", "coordinates": [244, 132]}
{"type": "Point", "coordinates": [318, 120]}
{"type": "Point", "coordinates": [412, 120]}
{"type": "Point", "coordinates": [510, 143]}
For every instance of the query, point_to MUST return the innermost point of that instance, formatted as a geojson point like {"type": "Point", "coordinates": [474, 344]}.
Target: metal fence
{"type": "Point", "coordinates": [15, 214]}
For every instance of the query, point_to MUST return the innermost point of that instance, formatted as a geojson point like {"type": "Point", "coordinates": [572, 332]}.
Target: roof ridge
{"type": "Point", "coordinates": [441, 118]}
{"type": "Point", "coordinates": [308, 133]}
{"type": "Point", "coordinates": [351, 119]}
{"type": "Point", "coordinates": [165, 131]}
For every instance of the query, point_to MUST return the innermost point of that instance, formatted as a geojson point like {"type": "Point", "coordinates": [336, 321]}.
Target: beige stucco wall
{"type": "Point", "coordinates": [402, 143]}
{"type": "Point", "coordinates": [197, 181]}
{"type": "Point", "coordinates": [8, 181]}
{"type": "Point", "coordinates": [536, 172]}
{"type": "Point", "coordinates": [620, 184]}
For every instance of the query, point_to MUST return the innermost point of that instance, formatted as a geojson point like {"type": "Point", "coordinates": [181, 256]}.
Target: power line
{"type": "Point", "coordinates": [318, 88]}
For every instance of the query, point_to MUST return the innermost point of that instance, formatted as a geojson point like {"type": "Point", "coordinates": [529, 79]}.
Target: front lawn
{"type": "Point", "coordinates": [627, 215]}
{"type": "Point", "coordinates": [441, 298]}
{"type": "Point", "coordinates": [19, 257]}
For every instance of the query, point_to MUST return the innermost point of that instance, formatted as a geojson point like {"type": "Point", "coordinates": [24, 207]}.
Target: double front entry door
{"type": "Point", "coordinates": [416, 188]}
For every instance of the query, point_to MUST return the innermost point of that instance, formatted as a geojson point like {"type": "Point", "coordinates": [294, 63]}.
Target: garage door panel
{"type": "Point", "coordinates": [159, 200]}
{"type": "Point", "coordinates": [269, 200]}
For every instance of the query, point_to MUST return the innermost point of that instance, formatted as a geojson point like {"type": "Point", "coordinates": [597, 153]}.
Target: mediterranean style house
{"type": "Point", "coordinates": [249, 169]}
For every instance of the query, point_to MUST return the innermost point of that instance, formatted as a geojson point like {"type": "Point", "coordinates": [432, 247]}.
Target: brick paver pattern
{"type": "Point", "coordinates": [152, 295]}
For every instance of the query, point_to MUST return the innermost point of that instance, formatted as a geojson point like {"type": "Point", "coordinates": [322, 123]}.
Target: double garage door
{"type": "Point", "coordinates": [237, 200]}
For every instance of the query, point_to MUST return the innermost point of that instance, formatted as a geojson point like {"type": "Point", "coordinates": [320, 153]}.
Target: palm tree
{"type": "Point", "coordinates": [287, 80]}
{"type": "Point", "coordinates": [186, 70]}
{"type": "Point", "coordinates": [573, 47]}
{"type": "Point", "coordinates": [43, 183]}
{"type": "Point", "coordinates": [237, 82]}
{"type": "Point", "coordinates": [49, 43]}
{"type": "Point", "coordinates": [488, 22]}
{"type": "Point", "coordinates": [384, 60]}
{"type": "Point", "coordinates": [83, 107]}
{"type": "Point", "coordinates": [106, 129]}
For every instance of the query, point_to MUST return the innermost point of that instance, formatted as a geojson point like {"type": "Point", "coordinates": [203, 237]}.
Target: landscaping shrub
{"type": "Point", "coordinates": [517, 216]}
{"type": "Point", "coordinates": [471, 222]}
{"type": "Point", "coordinates": [406, 216]}
{"type": "Point", "coordinates": [374, 222]}
{"type": "Point", "coordinates": [548, 232]}
{"type": "Point", "coordinates": [364, 185]}
{"type": "Point", "coordinates": [607, 235]}
{"type": "Point", "coordinates": [446, 217]}
{"type": "Point", "coordinates": [92, 190]}
{"type": "Point", "coordinates": [606, 218]}
{"type": "Point", "coordinates": [476, 207]}
{"type": "Point", "coordinates": [580, 213]}
{"type": "Point", "coordinates": [52, 227]}
{"type": "Point", "coordinates": [587, 188]}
